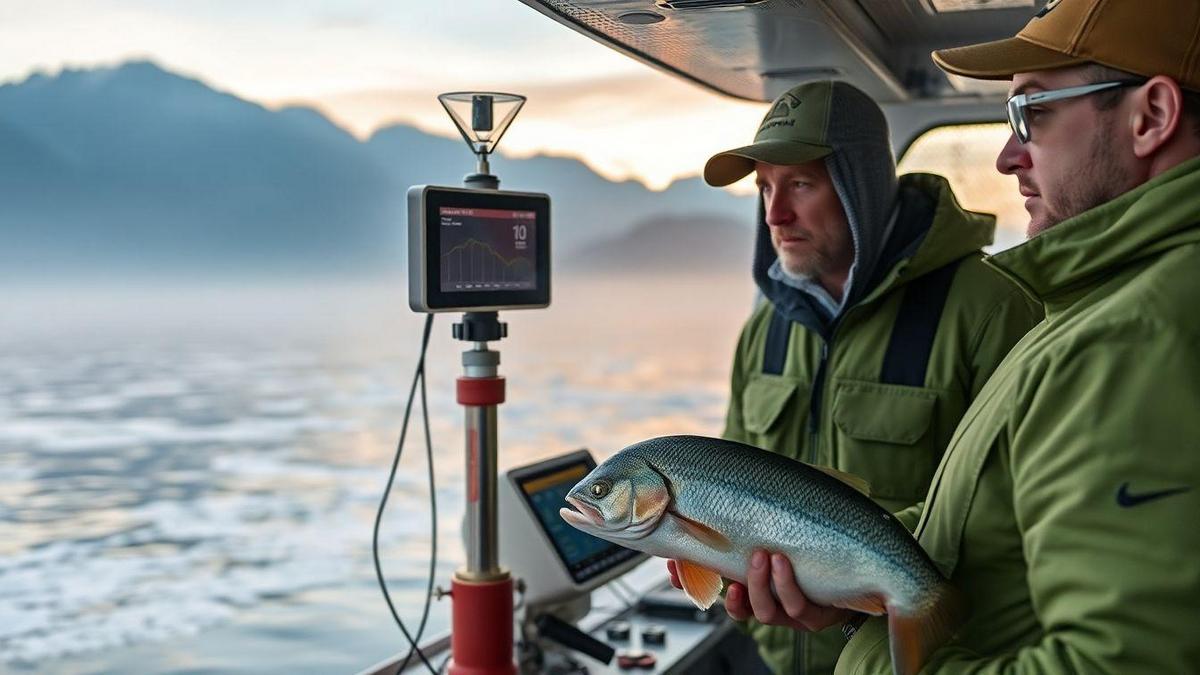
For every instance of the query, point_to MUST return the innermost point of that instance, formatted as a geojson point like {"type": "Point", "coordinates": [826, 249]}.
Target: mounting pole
{"type": "Point", "coordinates": [481, 637]}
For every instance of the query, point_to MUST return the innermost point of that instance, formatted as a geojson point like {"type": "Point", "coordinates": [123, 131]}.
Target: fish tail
{"type": "Point", "coordinates": [913, 638]}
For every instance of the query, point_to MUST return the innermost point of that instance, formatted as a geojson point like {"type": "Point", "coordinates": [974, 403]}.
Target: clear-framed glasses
{"type": "Point", "coordinates": [1018, 119]}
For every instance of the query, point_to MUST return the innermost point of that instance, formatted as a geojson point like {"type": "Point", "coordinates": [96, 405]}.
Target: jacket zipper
{"type": "Point", "coordinates": [818, 387]}
{"type": "Point", "coordinates": [814, 437]}
{"type": "Point", "coordinates": [798, 654]}
{"type": "Point", "coordinates": [814, 402]}
{"type": "Point", "coordinates": [814, 428]}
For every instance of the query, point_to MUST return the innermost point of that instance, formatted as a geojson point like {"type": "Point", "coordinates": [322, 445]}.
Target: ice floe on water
{"type": "Point", "coordinates": [66, 434]}
{"type": "Point", "coordinates": [184, 566]}
{"type": "Point", "coordinates": [146, 497]}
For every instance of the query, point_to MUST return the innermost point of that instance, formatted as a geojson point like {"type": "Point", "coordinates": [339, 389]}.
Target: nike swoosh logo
{"type": "Point", "coordinates": [1125, 499]}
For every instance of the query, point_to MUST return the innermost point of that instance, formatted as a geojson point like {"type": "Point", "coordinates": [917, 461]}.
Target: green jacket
{"type": "Point", "coordinates": [1067, 505]}
{"type": "Point", "coordinates": [892, 435]}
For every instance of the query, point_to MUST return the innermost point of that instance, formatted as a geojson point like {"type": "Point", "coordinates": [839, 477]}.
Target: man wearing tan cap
{"type": "Point", "coordinates": [881, 322]}
{"type": "Point", "coordinates": [1067, 507]}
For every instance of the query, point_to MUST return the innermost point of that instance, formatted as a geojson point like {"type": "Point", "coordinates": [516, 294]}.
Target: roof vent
{"type": "Point", "coordinates": [640, 18]}
{"type": "Point", "coordinates": [685, 5]}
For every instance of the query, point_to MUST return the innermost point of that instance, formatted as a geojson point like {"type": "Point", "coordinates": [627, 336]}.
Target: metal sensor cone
{"type": "Point", "coordinates": [482, 117]}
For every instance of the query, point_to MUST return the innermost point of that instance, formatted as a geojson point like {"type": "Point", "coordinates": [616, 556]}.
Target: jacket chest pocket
{"type": "Point", "coordinates": [775, 411]}
{"type": "Point", "coordinates": [884, 435]}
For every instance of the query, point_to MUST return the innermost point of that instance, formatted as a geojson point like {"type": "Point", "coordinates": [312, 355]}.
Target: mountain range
{"type": "Point", "coordinates": [135, 171]}
{"type": "Point", "coordinates": [672, 245]}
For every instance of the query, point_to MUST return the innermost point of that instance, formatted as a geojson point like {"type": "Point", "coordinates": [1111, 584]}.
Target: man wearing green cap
{"type": "Point", "coordinates": [881, 323]}
{"type": "Point", "coordinates": [1065, 508]}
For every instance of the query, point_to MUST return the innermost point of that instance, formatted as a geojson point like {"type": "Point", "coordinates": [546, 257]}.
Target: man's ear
{"type": "Point", "coordinates": [1156, 115]}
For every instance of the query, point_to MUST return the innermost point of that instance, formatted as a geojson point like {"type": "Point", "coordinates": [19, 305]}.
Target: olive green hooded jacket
{"type": "Point", "coordinates": [828, 405]}
{"type": "Point", "coordinates": [1067, 506]}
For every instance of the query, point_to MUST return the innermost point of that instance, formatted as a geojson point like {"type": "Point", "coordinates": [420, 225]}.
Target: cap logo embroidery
{"type": "Point", "coordinates": [1048, 8]}
{"type": "Point", "coordinates": [781, 113]}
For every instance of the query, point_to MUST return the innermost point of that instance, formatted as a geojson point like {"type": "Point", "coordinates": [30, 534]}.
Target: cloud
{"type": "Point", "coordinates": [342, 21]}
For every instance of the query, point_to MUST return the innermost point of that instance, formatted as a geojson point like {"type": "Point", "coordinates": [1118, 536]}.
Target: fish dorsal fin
{"type": "Point", "coordinates": [700, 584]}
{"type": "Point", "coordinates": [704, 534]}
{"type": "Point", "coordinates": [847, 478]}
{"type": "Point", "coordinates": [867, 604]}
{"type": "Point", "coordinates": [913, 638]}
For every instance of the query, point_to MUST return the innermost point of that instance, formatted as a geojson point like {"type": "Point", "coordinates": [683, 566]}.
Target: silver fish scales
{"type": "Point", "coordinates": [709, 503]}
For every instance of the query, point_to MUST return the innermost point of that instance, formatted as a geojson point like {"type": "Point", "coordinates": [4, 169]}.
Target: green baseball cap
{"type": "Point", "coordinates": [794, 131]}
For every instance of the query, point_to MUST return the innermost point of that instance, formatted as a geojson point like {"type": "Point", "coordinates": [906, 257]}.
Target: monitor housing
{"type": "Point", "coordinates": [477, 250]}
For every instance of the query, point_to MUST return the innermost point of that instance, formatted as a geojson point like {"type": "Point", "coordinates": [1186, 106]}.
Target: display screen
{"type": "Point", "coordinates": [487, 249]}
{"type": "Point", "coordinates": [585, 556]}
{"type": "Point", "coordinates": [477, 250]}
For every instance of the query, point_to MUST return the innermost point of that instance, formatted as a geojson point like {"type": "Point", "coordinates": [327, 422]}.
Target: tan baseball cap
{"type": "Point", "coordinates": [794, 131]}
{"type": "Point", "coordinates": [1144, 37]}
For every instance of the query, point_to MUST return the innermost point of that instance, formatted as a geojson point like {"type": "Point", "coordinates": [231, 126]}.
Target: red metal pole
{"type": "Point", "coordinates": [481, 639]}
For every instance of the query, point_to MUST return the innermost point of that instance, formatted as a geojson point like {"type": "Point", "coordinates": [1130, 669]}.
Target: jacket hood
{"type": "Point", "coordinates": [1079, 252]}
{"type": "Point", "coordinates": [930, 229]}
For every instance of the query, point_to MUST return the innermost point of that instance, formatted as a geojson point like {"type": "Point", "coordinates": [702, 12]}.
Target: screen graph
{"type": "Point", "coordinates": [487, 249]}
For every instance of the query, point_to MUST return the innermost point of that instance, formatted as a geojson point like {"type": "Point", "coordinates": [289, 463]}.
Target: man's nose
{"type": "Point", "coordinates": [1013, 157]}
{"type": "Point", "coordinates": [778, 211]}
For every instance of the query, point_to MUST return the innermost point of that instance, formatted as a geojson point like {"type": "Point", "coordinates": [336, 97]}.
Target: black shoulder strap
{"type": "Point", "coordinates": [779, 333]}
{"type": "Point", "coordinates": [916, 326]}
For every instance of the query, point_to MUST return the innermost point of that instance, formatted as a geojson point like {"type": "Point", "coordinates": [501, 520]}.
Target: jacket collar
{"type": "Point", "coordinates": [944, 233]}
{"type": "Point", "coordinates": [1062, 264]}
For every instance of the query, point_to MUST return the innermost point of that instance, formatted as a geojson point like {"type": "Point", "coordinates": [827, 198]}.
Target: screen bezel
{"type": "Point", "coordinates": [520, 477]}
{"type": "Point", "coordinates": [436, 198]}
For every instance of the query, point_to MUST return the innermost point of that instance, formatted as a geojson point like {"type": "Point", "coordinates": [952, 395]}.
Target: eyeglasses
{"type": "Point", "coordinates": [1018, 120]}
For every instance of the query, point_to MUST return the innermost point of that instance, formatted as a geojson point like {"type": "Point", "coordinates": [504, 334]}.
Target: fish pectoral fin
{"type": "Point", "coordinates": [704, 534]}
{"type": "Point", "coordinates": [867, 604]}
{"type": "Point", "coordinates": [700, 584]}
{"type": "Point", "coordinates": [850, 479]}
{"type": "Point", "coordinates": [914, 638]}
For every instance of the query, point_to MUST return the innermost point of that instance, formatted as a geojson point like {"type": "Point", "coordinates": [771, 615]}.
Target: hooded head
{"type": "Point", "coordinates": [840, 125]}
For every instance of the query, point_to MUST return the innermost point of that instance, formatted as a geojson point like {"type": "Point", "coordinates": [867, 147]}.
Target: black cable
{"type": "Point", "coordinates": [433, 522]}
{"type": "Point", "coordinates": [417, 376]}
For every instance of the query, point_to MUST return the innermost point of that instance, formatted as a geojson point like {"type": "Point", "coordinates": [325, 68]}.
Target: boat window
{"type": "Point", "coordinates": [966, 155]}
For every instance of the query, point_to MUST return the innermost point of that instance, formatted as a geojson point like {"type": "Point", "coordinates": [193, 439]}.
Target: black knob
{"type": "Point", "coordinates": [618, 631]}
{"type": "Point", "coordinates": [655, 635]}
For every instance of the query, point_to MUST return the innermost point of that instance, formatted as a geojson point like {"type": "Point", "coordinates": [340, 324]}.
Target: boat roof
{"type": "Point", "coordinates": [757, 49]}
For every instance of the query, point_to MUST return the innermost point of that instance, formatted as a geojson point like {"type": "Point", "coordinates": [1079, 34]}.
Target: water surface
{"type": "Point", "coordinates": [188, 477]}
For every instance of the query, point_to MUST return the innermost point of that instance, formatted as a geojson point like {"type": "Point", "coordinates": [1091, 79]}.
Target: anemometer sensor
{"type": "Point", "coordinates": [478, 248]}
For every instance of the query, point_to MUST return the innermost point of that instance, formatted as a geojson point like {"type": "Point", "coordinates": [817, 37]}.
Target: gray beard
{"type": "Point", "coordinates": [808, 269]}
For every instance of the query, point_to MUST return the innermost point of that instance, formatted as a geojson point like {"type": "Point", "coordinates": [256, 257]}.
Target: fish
{"type": "Point", "coordinates": [708, 503]}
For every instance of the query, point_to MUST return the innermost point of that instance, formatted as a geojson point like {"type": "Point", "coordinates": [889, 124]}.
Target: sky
{"type": "Point", "coordinates": [369, 63]}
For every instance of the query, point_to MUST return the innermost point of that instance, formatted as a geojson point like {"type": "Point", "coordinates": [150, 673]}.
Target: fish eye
{"type": "Point", "coordinates": [599, 489]}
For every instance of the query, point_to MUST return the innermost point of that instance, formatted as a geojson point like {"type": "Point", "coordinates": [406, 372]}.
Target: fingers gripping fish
{"type": "Point", "coordinates": [709, 503]}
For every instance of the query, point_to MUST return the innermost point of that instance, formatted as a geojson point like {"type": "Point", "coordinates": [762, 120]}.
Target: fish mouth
{"type": "Point", "coordinates": [586, 515]}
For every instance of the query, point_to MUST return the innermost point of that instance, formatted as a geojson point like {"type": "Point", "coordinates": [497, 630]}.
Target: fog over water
{"type": "Point", "coordinates": [188, 476]}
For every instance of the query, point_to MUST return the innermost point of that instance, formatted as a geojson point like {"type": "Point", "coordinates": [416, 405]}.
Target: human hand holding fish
{"type": "Point", "coordinates": [716, 506]}
{"type": "Point", "coordinates": [772, 596]}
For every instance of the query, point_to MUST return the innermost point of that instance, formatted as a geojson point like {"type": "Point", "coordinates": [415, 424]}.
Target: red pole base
{"type": "Point", "coordinates": [481, 638]}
